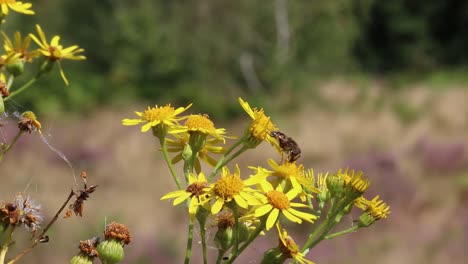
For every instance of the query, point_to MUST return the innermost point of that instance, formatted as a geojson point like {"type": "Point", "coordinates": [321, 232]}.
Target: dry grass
{"type": "Point", "coordinates": [416, 166]}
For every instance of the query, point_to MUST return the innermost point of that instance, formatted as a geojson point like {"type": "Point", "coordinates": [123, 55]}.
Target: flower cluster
{"type": "Point", "coordinates": [17, 56]}
{"type": "Point", "coordinates": [22, 211]}
{"type": "Point", "coordinates": [248, 204]}
{"type": "Point", "coordinates": [19, 51]}
{"type": "Point", "coordinates": [109, 250]}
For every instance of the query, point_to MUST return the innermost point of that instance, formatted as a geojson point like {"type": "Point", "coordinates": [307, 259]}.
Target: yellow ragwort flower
{"type": "Point", "coordinates": [19, 46]}
{"type": "Point", "coordinates": [16, 6]}
{"type": "Point", "coordinates": [354, 181]}
{"type": "Point", "coordinates": [321, 184]}
{"type": "Point", "coordinates": [230, 187]}
{"type": "Point", "coordinates": [290, 173]}
{"type": "Point", "coordinates": [276, 202]}
{"type": "Point", "coordinates": [202, 124]}
{"type": "Point", "coordinates": [154, 116]}
{"type": "Point", "coordinates": [376, 208]}
{"type": "Point", "coordinates": [289, 248]}
{"type": "Point", "coordinates": [196, 192]}
{"type": "Point", "coordinates": [260, 127]}
{"type": "Point", "coordinates": [181, 140]}
{"type": "Point", "coordinates": [54, 51]}
{"type": "Point", "coordinates": [9, 59]}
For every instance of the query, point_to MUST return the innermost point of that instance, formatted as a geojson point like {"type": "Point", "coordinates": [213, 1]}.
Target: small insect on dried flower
{"type": "Point", "coordinates": [81, 196]}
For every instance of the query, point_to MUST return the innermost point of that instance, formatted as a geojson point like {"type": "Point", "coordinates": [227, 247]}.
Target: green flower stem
{"type": "Point", "coordinates": [327, 228]}
{"type": "Point", "coordinates": [189, 165]}
{"type": "Point", "coordinates": [226, 161]}
{"type": "Point", "coordinates": [314, 225]}
{"type": "Point", "coordinates": [188, 251]}
{"type": "Point", "coordinates": [6, 244]}
{"type": "Point", "coordinates": [21, 89]}
{"type": "Point", "coordinates": [309, 243]}
{"type": "Point", "coordinates": [343, 232]}
{"type": "Point", "coordinates": [236, 228]}
{"type": "Point", "coordinates": [333, 217]}
{"type": "Point", "coordinates": [222, 160]}
{"type": "Point", "coordinates": [169, 163]}
{"type": "Point", "coordinates": [203, 241]}
{"type": "Point", "coordinates": [252, 237]}
{"type": "Point", "coordinates": [220, 256]}
{"type": "Point", "coordinates": [10, 81]}
{"type": "Point", "coordinates": [235, 145]}
{"type": "Point", "coordinates": [15, 139]}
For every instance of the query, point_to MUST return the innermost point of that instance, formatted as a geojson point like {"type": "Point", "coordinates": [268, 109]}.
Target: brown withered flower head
{"type": "Point", "coordinates": [3, 89]}
{"type": "Point", "coordinates": [119, 232]}
{"type": "Point", "coordinates": [22, 211]}
{"type": "Point", "coordinates": [81, 197]}
{"type": "Point", "coordinates": [28, 122]}
{"type": "Point", "coordinates": [225, 219]}
{"type": "Point", "coordinates": [88, 247]}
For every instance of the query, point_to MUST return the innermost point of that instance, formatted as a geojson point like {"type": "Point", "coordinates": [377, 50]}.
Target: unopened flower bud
{"type": "Point", "coordinates": [224, 238]}
{"type": "Point", "coordinates": [273, 256]}
{"type": "Point", "coordinates": [243, 232]}
{"type": "Point", "coordinates": [81, 259]}
{"type": "Point", "coordinates": [45, 67]}
{"type": "Point", "coordinates": [160, 131]}
{"type": "Point", "coordinates": [111, 251]}
{"type": "Point", "coordinates": [335, 185]}
{"type": "Point", "coordinates": [16, 68]}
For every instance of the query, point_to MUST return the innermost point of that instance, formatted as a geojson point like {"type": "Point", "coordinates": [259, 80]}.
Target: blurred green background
{"type": "Point", "coordinates": [156, 51]}
{"type": "Point", "coordinates": [374, 85]}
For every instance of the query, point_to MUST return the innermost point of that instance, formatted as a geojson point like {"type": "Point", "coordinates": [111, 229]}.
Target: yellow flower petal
{"type": "Point", "coordinates": [272, 217]}
{"type": "Point", "coordinates": [262, 210]}
{"type": "Point", "coordinates": [305, 216]}
{"type": "Point", "coordinates": [201, 177]}
{"type": "Point", "coordinates": [298, 205]}
{"type": "Point", "coordinates": [217, 206]}
{"type": "Point", "coordinates": [240, 201]}
{"type": "Point", "coordinates": [131, 122]}
{"type": "Point", "coordinates": [192, 178]}
{"type": "Point", "coordinates": [291, 217]}
{"type": "Point", "coordinates": [181, 198]}
{"type": "Point", "coordinates": [146, 127]}
{"type": "Point", "coordinates": [251, 200]}
{"type": "Point", "coordinates": [173, 194]}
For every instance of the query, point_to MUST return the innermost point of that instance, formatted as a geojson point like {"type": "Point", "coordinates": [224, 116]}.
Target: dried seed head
{"type": "Point", "coordinates": [22, 211]}
{"type": "Point", "coordinates": [88, 247]}
{"type": "Point", "coordinates": [118, 231]}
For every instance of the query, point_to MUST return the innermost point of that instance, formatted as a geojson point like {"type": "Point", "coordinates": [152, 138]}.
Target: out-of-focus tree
{"type": "Point", "coordinates": [210, 51]}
